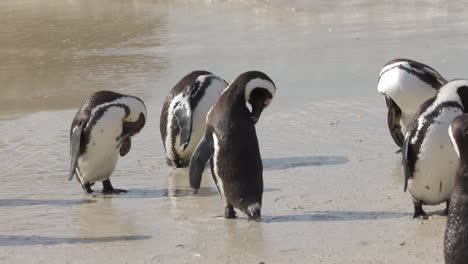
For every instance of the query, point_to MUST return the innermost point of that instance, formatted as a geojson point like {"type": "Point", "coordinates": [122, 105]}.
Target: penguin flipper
{"type": "Point", "coordinates": [406, 152]}
{"type": "Point", "coordinates": [183, 114]}
{"type": "Point", "coordinates": [393, 121]}
{"type": "Point", "coordinates": [75, 141]}
{"type": "Point", "coordinates": [199, 158]}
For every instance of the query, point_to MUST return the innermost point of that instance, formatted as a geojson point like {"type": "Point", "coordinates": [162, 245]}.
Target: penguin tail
{"type": "Point", "coordinates": [254, 211]}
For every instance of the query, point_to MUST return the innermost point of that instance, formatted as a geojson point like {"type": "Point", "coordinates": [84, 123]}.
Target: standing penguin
{"type": "Point", "coordinates": [429, 161]}
{"type": "Point", "coordinates": [101, 130]}
{"type": "Point", "coordinates": [231, 144]}
{"type": "Point", "coordinates": [406, 85]}
{"type": "Point", "coordinates": [183, 116]}
{"type": "Point", "coordinates": [456, 232]}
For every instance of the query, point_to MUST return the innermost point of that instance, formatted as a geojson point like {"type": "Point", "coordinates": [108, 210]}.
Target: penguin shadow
{"type": "Point", "coordinates": [174, 193]}
{"type": "Point", "coordinates": [179, 192]}
{"type": "Point", "coordinates": [44, 240]}
{"type": "Point", "coordinates": [29, 202]}
{"type": "Point", "coordinates": [334, 216]}
{"type": "Point", "coordinates": [306, 161]}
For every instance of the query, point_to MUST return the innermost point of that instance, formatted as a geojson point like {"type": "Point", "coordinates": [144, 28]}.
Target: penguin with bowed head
{"type": "Point", "coordinates": [429, 160]}
{"type": "Point", "coordinates": [183, 117]}
{"type": "Point", "coordinates": [406, 85]}
{"type": "Point", "coordinates": [101, 130]}
{"type": "Point", "coordinates": [230, 143]}
{"type": "Point", "coordinates": [456, 231]}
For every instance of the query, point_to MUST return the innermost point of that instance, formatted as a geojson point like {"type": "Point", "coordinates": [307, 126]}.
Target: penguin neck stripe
{"type": "Point", "coordinates": [426, 75]}
{"type": "Point", "coordinates": [98, 112]}
{"type": "Point", "coordinates": [199, 89]}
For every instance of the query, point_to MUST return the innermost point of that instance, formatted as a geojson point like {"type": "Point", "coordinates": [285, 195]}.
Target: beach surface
{"type": "Point", "coordinates": [333, 183]}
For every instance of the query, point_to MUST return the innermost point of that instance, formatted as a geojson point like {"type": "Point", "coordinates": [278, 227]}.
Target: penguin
{"type": "Point", "coordinates": [429, 160]}
{"type": "Point", "coordinates": [230, 143]}
{"type": "Point", "coordinates": [101, 130]}
{"type": "Point", "coordinates": [406, 85]}
{"type": "Point", "coordinates": [183, 115]}
{"type": "Point", "coordinates": [456, 231]}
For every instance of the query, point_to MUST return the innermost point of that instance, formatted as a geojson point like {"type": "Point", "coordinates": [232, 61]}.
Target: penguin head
{"type": "Point", "coordinates": [135, 120]}
{"type": "Point", "coordinates": [458, 132]}
{"type": "Point", "coordinates": [259, 92]}
{"type": "Point", "coordinates": [259, 99]}
{"type": "Point", "coordinates": [454, 91]}
{"type": "Point", "coordinates": [251, 207]}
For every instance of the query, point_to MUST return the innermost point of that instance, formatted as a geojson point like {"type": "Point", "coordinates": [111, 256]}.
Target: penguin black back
{"type": "Point", "coordinates": [231, 144]}
{"type": "Point", "coordinates": [456, 232]}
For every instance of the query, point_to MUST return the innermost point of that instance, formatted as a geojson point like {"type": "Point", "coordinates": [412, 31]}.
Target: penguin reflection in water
{"type": "Point", "coordinates": [456, 232]}
{"type": "Point", "coordinates": [406, 85]}
{"type": "Point", "coordinates": [429, 160]}
{"type": "Point", "coordinates": [183, 117]}
{"type": "Point", "coordinates": [101, 130]}
{"type": "Point", "coordinates": [231, 144]}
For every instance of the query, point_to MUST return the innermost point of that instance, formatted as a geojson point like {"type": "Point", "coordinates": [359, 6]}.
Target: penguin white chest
{"type": "Point", "coordinates": [435, 169]}
{"type": "Point", "coordinates": [100, 158]}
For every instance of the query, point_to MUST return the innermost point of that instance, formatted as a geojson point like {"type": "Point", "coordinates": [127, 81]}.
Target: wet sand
{"type": "Point", "coordinates": [333, 184]}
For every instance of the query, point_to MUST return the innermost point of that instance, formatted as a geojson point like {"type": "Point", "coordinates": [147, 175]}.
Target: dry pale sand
{"type": "Point", "coordinates": [333, 183]}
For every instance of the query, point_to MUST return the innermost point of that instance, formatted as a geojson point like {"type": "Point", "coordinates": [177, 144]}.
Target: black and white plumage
{"type": "Point", "coordinates": [406, 85]}
{"type": "Point", "coordinates": [183, 116]}
{"type": "Point", "coordinates": [456, 231]}
{"type": "Point", "coordinates": [429, 160]}
{"type": "Point", "coordinates": [101, 130]}
{"type": "Point", "coordinates": [231, 144]}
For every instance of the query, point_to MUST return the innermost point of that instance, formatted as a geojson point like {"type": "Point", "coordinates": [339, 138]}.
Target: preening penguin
{"type": "Point", "coordinates": [429, 160]}
{"type": "Point", "coordinates": [231, 144]}
{"type": "Point", "coordinates": [456, 231]}
{"type": "Point", "coordinates": [406, 85]}
{"type": "Point", "coordinates": [183, 116]}
{"type": "Point", "coordinates": [101, 130]}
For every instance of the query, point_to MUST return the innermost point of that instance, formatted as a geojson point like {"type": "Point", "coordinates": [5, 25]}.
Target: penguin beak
{"type": "Point", "coordinates": [259, 99]}
{"type": "Point", "coordinates": [257, 108]}
{"type": "Point", "coordinates": [255, 119]}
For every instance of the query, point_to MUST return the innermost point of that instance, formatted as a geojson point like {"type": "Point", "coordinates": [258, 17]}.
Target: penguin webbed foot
{"type": "Point", "coordinates": [419, 212]}
{"type": "Point", "coordinates": [87, 188]}
{"type": "Point", "coordinates": [109, 189]}
{"type": "Point", "coordinates": [229, 212]}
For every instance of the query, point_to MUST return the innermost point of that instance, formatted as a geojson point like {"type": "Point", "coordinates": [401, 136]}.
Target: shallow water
{"type": "Point", "coordinates": [333, 185]}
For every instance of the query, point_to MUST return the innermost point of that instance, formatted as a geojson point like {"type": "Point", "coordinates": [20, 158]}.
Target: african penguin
{"type": "Point", "coordinates": [231, 144]}
{"type": "Point", "coordinates": [456, 231]}
{"type": "Point", "coordinates": [101, 130]}
{"type": "Point", "coordinates": [406, 85]}
{"type": "Point", "coordinates": [183, 116]}
{"type": "Point", "coordinates": [429, 160]}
